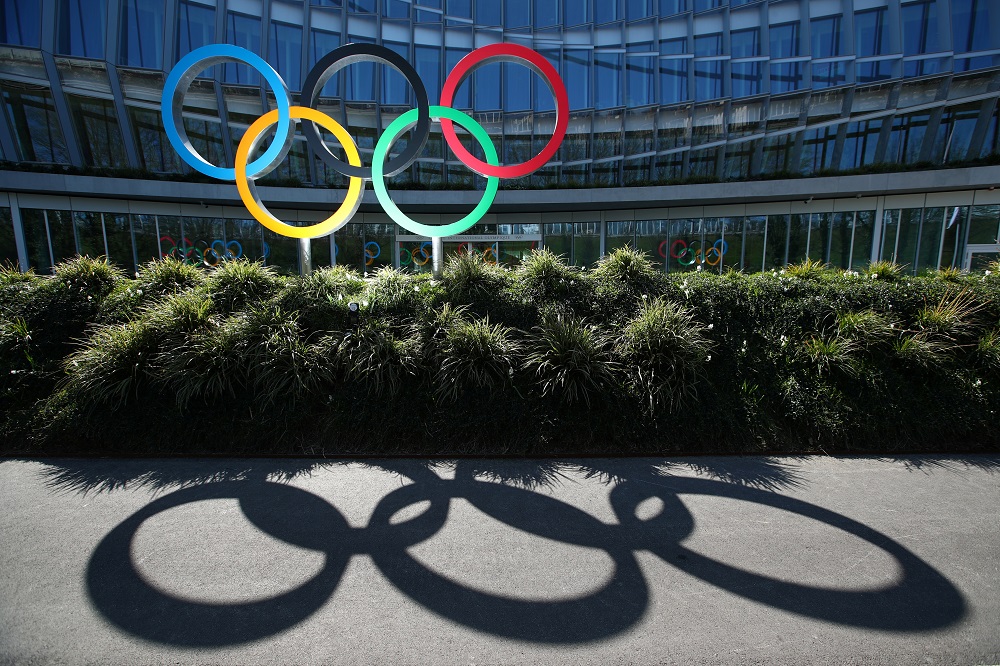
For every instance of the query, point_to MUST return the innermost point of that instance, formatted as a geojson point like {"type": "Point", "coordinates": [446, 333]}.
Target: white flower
{"type": "Point", "coordinates": [416, 288]}
{"type": "Point", "coordinates": [711, 326]}
{"type": "Point", "coordinates": [644, 297]}
{"type": "Point", "coordinates": [138, 291]}
{"type": "Point", "coordinates": [708, 359]}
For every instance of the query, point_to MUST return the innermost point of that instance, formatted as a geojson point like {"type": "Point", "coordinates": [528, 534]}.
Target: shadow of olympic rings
{"type": "Point", "coordinates": [920, 600]}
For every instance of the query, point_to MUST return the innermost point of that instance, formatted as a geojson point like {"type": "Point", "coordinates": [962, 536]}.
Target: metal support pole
{"type": "Point", "coordinates": [437, 256]}
{"type": "Point", "coordinates": [305, 256]}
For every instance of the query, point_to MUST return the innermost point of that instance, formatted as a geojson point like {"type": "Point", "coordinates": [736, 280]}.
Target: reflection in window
{"type": "Point", "coordinates": [785, 40]}
{"type": "Point", "coordinates": [517, 87]}
{"type": "Point", "coordinates": [141, 37]}
{"type": "Point", "coordinates": [639, 80]}
{"type": "Point", "coordinates": [745, 43]}
{"type": "Point", "coordinates": [607, 10]}
{"type": "Point", "coordinates": [80, 28]}
{"type": "Point", "coordinates": [984, 225]}
{"type": "Point", "coordinates": [544, 99]}
{"type": "Point", "coordinates": [753, 243]}
{"type": "Point", "coordinates": [97, 127]}
{"type": "Point", "coordinates": [35, 124]}
{"type": "Point", "coordinates": [284, 53]}
{"type": "Point", "coordinates": [818, 146]}
{"type": "Point", "coordinates": [428, 66]}
{"type": "Point", "coordinates": [864, 236]}
{"type": "Point", "coordinates": [360, 77]}
{"type": "Point", "coordinates": [786, 76]}
{"type": "Point", "coordinates": [907, 138]}
{"type": "Point", "coordinates": [708, 80]}
{"type": "Point", "coordinates": [118, 240]}
{"type": "Point", "coordinates": [708, 45]}
{"type": "Point", "coordinates": [869, 72]}
{"type": "Point", "coordinates": [825, 37]}
{"type": "Point", "coordinates": [157, 153]}
{"type": "Point", "coordinates": [670, 7]}
{"type": "Point", "coordinates": [607, 84]}
{"type": "Point", "coordinates": [871, 32]}
{"type": "Point", "coordinates": [488, 12]}
{"type": "Point", "coordinates": [746, 78]}
{"type": "Point", "coordinates": [957, 126]}
{"type": "Point", "coordinates": [931, 236]}
{"type": "Point", "coordinates": [90, 234]}
{"type": "Point", "coordinates": [517, 13]}
{"type": "Point", "coordinates": [8, 248]}
{"type": "Point", "coordinates": [486, 80]}
{"type": "Point", "coordinates": [829, 74]}
{"type": "Point", "coordinates": [195, 27]}
{"type": "Point", "coordinates": [860, 144]}
{"type": "Point", "coordinates": [242, 31]}
{"type": "Point", "coordinates": [19, 22]}
{"type": "Point", "coordinates": [322, 43]}
{"type": "Point", "coordinates": [673, 80]}
{"type": "Point", "coordinates": [920, 27]}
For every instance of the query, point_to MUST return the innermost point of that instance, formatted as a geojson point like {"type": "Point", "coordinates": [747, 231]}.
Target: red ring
{"type": "Point", "coordinates": [537, 62]}
{"type": "Point", "coordinates": [663, 253]}
{"type": "Point", "coordinates": [673, 252]}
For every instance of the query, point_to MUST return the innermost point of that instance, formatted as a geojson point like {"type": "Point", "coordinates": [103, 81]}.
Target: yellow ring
{"type": "Point", "coordinates": [354, 190]}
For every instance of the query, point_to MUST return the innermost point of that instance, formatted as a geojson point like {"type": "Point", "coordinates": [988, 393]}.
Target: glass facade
{"type": "Point", "coordinates": [661, 92]}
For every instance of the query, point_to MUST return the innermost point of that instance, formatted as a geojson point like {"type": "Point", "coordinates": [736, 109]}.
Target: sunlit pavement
{"type": "Point", "coordinates": [688, 560]}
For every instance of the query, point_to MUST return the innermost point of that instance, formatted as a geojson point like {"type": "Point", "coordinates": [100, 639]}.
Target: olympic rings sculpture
{"type": "Point", "coordinates": [681, 249]}
{"type": "Point", "coordinates": [285, 116]}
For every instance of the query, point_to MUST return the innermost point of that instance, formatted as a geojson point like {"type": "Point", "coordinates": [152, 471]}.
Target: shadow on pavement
{"type": "Point", "coordinates": [921, 599]}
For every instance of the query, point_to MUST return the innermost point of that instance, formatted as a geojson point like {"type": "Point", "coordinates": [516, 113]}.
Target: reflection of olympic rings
{"type": "Point", "coordinates": [285, 116]}
{"type": "Point", "coordinates": [202, 252]}
{"type": "Point", "coordinates": [370, 255]}
{"type": "Point", "coordinates": [490, 251]}
{"type": "Point", "coordinates": [412, 255]}
{"type": "Point", "coordinates": [681, 250]}
{"type": "Point", "coordinates": [919, 599]}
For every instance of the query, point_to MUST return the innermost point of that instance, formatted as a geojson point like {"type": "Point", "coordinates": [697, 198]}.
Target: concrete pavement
{"type": "Point", "coordinates": [646, 561]}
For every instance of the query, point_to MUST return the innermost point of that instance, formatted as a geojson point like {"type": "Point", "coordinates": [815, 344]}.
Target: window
{"type": "Point", "coordinates": [284, 53]}
{"type": "Point", "coordinates": [242, 31]}
{"type": "Point", "coordinates": [81, 27]}
{"type": "Point", "coordinates": [745, 43]}
{"type": "Point", "coordinates": [19, 22]}
{"type": "Point", "coordinates": [517, 13]}
{"type": "Point", "coordinates": [970, 24]}
{"type": "Point", "coordinates": [395, 89]}
{"type": "Point", "coordinates": [639, 81]}
{"type": "Point", "coordinates": [670, 7]}
{"type": "Point", "coordinates": [860, 144]}
{"type": "Point", "coordinates": [8, 248]}
{"type": "Point", "coordinates": [828, 74]}
{"type": "Point", "coordinates": [707, 80]}
{"type": "Point", "coordinates": [825, 37]}
{"type": "Point", "coordinates": [746, 79]}
{"type": "Point", "coordinates": [157, 153]}
{"type": "Point", "coordinates": [488, 12]}
{"type": "Point", "coordinates": [517, 87]}
{"type": "Point", "coordinates": [576, 68]}
{"type": "Point", "coordinates": [920, 27]}
{"type": "Point", "coordinates": [321, 44]}
{"type": "Point", "coordinates": [869, 72]}
{"type": "Point", "coordinates": [607, 84]}
{"type": "Point", "coordinates": [785, 40]}
{"type": "Point", "coordinates": [97, 127]}
{"type": "Point", "coordinates": [141, 37]}
{"type": "Point", "coordinates": [708, 45]}
{"type": "Point", "coordinates": [786, 76]}
{"type": "Point", "coordinates": [607, 10]}
{"type": "Point", "coordinates": [35, 124]}
{"type": "Point", "coordinates": [487, 87]}
{"type": "Point", "coordinates": [673, 46]}
{"type": "Point", "coordinates": [544, 101]}
{"type": "Point", "coordinates": [463, 99]}
{"type": "Point", "coordinates": [396, 9]}
{"type": "Point", "coordinates": [546, 13]}
{"type": "Point", "coordinates": [673, 80]}
{"type": "Point", "coordinates": [871, 34]}
{"type": "Point", "coordinates": [195, 27]}
{"type": "Point", "coordinates": [359, 77]}
{"type": "Point", "coordinates": [576, 12]}
{"type": "Point", "coordinates": [637, 9]}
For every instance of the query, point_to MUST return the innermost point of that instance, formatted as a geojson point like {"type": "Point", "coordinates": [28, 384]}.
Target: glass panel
{"type": "Point", "coordinates": [242, 31]}
{"type": "Point", "coordinates": [745, 43]}
{"type": "Point", "coordinates": [957, 127]}
{"type": "Point", "coordinates": [970, 24]}
{"type": "Point", "coordinates": [708, 80]}
{"type": "Point", "coordinates": [141, 36]}
{"type": "Point", "coordinates": [739, 157]}
{"type": "Point", "coordinates": [907, 138]}
{"type": "Point", "coordinates": [829, 74]}
{"type": "Point", "coordinates": [145, 238]}
{"type": "Point", "coordinates": [281, 252]}
{"type": "Point", "coordinates": [620, 234]}
{"type": "Point", "coordinates": [753, 243]}
{"type": "Point", "coordinates": [954, 217]}
{"type": "Point", "coordinates": [777, 241]}
{"type": "Point", "coordinates": [860, 144]}
{"type": "Point", "coordinates": [195, 27]}
{"type": "Point", "coordinates": [981, 261]}
{"type": "Point", "coordinates": [428, 66]}
{"type": "Point", "coordinates": [157, 153]}
{"type": "Point", "coordinates": [685, 243]}
{"type": "Point", "coordinates": [97, 127]}
{"type": "Point", "coordinates": [784, 40]}
{"type": "Point", "coordinates": [558, 238]}
{"type": "Point", "coordinates": [607, 10]}
{"type": "Point", "coordinates": [35, 124]}
{"type": "Point", "coordinates": [348, 246]}
{"type": "Point", "coordinates": [786, 76]}
{"type": "Point", "coordinates": [462, 95]}
{"type": "Point", "coordinates": [746, 79]}
{"type": "Point", "coordinates": [379, 240]}
{"type": "Point", "coordinates": [36, 238]}
{"type": "Point", "coordinates": [818, 148]}
{"type": "Point", "coordinates": [486, 84]}
{"type": "Point", "coordinates": [488, 12]}
{"type": "Point", "coordinates": [586, 243]}
{"type": "Point", "coordinates": [81, 27]}
{"type": "Point", "coordinates": [798, 232]}
{"type": "Point", "coordinates": [920, 27]}
{"type": "Point", "coordinates": [517, 87]}
{"type": "Point", "coordinates": [90, 234]}
{"type": "Point", "coordinates": [825, 36]}
{"type": "Point", "coordinates": [8, 248]}
{"type": "Point", "coordinates": [651, 238]}
{"type": "Point", "coordinates": [871, 32]}
{"type": "Point", "coordinates": [930, 239]}
{"type": "Point", "coordinates": [869, 72]}
{"type": "Point", "coordinates": [819, 237]}
{"type": "Point", "coordinates": [576, 68]}
{"type": "Point", "coordinates": [669, 7]}
{"type": "Point", "coordinates": [890, 234]}
{"type": "Point", "coordinates": [639, 81]}
{"type": "Point", "coordinates": [517, 14]}
{"type": "Point", "coordinates": [708, 45]}
{"type": "Point", "coordinates": [546, 13]}
{"type": "Point", "coordinates": [249, 242]}
{"type": "Point", "coordinates": [909, 229]}
{"type": "Point", "coordinates": [285, 53]}
{"type": "Point", "coordinates": [732, 248]}
{"type": "Point", "coordinates": [778, 154]}
{"type": "Point", "coordinates": [864, 234]}
{"type": "Point", "coordinates": [19, 22]}
{"type": "Point", "coordinates": [673, 80]}
{"type": "Point", "coordinates": [607, 83]}
{"type": "Point", "coordinates": [841, 234]}
{"type": "Point", "coordinates": [983, 225]}
{"type": "Point", "coordinates": [61, 234]}
{"type": "Point", "coordinates": [118, 233]}
{"type": "Point", "coordinates": [322, 43]}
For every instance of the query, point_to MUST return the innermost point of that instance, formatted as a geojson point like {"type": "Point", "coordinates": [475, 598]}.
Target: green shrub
{"type": "Point", "coordinates": [664, 350]}
{"type": "Point", "coordinates": [884, 270]}
{"type": "Point", "coordinates": [475, 355]}
{"type": "Point", "coordinates": [396, 295]}
{"type": "Point", "coordinates": [955, 316]}
{"type": "Point", "coordinates": [988, 350]}
{"type": "Point", "coordinates": [112, 365]}
{"type": "Point", "coordinates": [234, 284]}
{"type": "Point", "coordinates": [630, 271]}
{"type": "Point", "coordinates": [571, 361]}
{"type": "Point", "coordinates": [467, 276]}
{"type": "Point", "coordinates": [831, 354]}
{"type": "Point", "coordinates": [545, 275]}
{"type": "Point", "coordinates": [374, 355]}
{"type": "Point", "coordinates": [94, 278]}
{"type": "Point", "coordinates": [321, 298]}
{"type": "Point", "coordinates": [807, 270]}
{"type": "Point", "coordinates": [924, 349]}
{"type": "Point", "coordinates": [867, 328]}
{"type": "Point", "coordinates": [153, 281]}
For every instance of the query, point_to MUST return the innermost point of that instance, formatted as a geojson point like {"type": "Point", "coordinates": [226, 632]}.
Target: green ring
{"type": "Point", "coordinates": [400, 125]}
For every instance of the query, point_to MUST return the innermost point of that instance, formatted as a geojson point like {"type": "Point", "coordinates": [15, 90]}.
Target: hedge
{"type": "Point", "coordinates": [542, 359]}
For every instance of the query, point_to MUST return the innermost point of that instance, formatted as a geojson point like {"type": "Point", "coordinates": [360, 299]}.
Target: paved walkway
{"type": "Point", "coordinates": [688, 561]}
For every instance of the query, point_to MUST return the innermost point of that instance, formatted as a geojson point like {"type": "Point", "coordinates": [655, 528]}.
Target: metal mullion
{"type": "Point", "coordinates": [48, 238]}
{"type": "Point", "coordinates": [62, 111]}
{"type": "Point", "coordinates": [104, 234]}
{"type": "Point", "coordinates": [124, 122]}
{"type": "Point", "coordinates": [169, 35]}
{"type": "Point", "coordinates": [19, 240]}
{"type": "Point", "coordinates": [854, 229]}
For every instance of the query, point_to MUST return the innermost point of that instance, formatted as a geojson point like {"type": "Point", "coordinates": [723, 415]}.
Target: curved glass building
{"type": "Point", "coordinates": [846, 131]}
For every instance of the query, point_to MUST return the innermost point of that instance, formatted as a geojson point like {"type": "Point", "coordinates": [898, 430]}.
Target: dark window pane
{"type": "Point", "coordinates": [243, 31]}
{"type": "Point", "coordinates": [36, 239]}
{"type": "Point", "coordinates": [639, 81]}
{"type": "Point", "coordinates": [825, 37]}
{"type": "Point", "coordinates": [670, 7]}
{"type": "Point", "coordinates": [786, 76]}
{"type": "Point", "coordinates": [428, 66]}
{"type": "Point", "coordinates": [753, 244]}
{"type": "Point", "coordinates": [488, 12]}
{"type": "Point", "coordinates": [395, 89]}
{"type": "Point", "coordinates": [907, 138]}
{"type": "Point", "coordinates": [517, 87]}
{"type": "Point", "coordinates": [19, 22]}
{"type": "Point", "coordinates": [8, 248]}
{"type": "Point", "coordinates": [362, 6]}
{"type": "Point", "coordinates": [118, 235]}
{"type": "Point", "coordinates": [360, 77]}
{"type": "Point", "coordinates": [930, 239]}
{"type": "Point", "coordinates": [607, 81]}
{"type": "Point", "coordinates": [860, 144]}
{"type": "Point", "coordinates": [558, 239]}
{"type": "Point", "coordinates": [840, 239]}
{"type": "Point", "coordinates": [81, 27]}
{"type": "Point", "coordinates": [141, 36]}
{"type": "Point", "coordinates": [157, 153]}
{"type": "Point", "coordinates": [460, 8]}
{"type": "Point", "coordinates": [285, 53]}
{"type": "Point", "coordinates": [777, 241]}
{"type": "Point", "coordinates": [195, 27]}
{"type": "Point", "coordinates": [35, 123]}
{"type": "Point", "coordinates": [97, 127]}
{"type": "Point", "coordinates": [607, 10]}
{"type": "Point", "coordinates": [708, 45]}
{"type": "Point", "coordinates": [829, 74]}
{"type": "Point", "coordinates": [321, 44]}
{"type": "Point", "coordinates": [869, 72]}
{"type": "Point", "coordinates": [486, 80]}
{"type": "Point", "coordinates": [785, 40]}
{"type": "Point", "coordinates": [871, 34]}
{"type": "Point", "coordinates": [745, 43]}
{"type": "Point", "coordinates": [970, 24]}
{"type": "Point", "coordinates": [746, 78]}
{"type": "Point", "coordinates": [984, 225]}
{"type": "Point", "coordinates": [396, 9]}
{"type": "Point", "coordinates": [463, 94]}
{"type": "Point", "coordinates": [577, 70]}
{"type": "Point", "coordinates": [90, 234]}
{"type": "Point", "coordinates": [864, 234]}
{"type": "Point", "coordinates": [517, 13]}
{"type": "Point", "coordinates": [673, 46]}
{"type": "Point", "coordinates": [637, 9]}
{"type": "Point", "coordinates": [920, 27]}
{"type": "Point", "coordinates": [546, 13]}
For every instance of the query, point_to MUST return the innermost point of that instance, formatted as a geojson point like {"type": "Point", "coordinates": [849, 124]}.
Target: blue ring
{"type": "Point", "coordinates": [236, 255]}
{"type": "Point", "coordinates": [273, 79]}
{"type": "Point", "coordinates": [377, 247]}
{"type": "Point", "coordinates": [725, 246]}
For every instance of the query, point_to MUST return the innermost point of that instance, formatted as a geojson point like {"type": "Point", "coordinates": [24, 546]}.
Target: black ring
{"type": "Point", "coordinates": [332, 63]}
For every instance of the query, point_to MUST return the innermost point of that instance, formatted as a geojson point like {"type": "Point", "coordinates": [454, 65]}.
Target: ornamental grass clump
{"type": "Point", "coordinates": [663, 351]}
{"type": "Point", "coordinates": [955, 317]}
{"type": "Point", "coordinates": [374, 355]}
{"type": "Point", "coordinates": [884, 270]}
{"type": "Point", "coordinates": [988, 350]}
{"type": "Point", "coordinates": [112, 365]}
{"type": "Point", "coordinates": [467, 277]}
{"type": "Point", "coordinates": [545, 275]}
{"type": "Point", "coordinates": [321, 298]}
{"type": "Point", "coordinates": [475, 356]}
{"type": "Point", "coordinates": [830, 354]}
{"type": "Point", "coordinates": [234, 284]}
{"type": "Point", "coordinates": [807, 270]}
{"type": "Point", "coordinates": [571, 361]}
{"type": "Point", "coordinates": [394, 294]}
{"type": "Point", "coordinates": [93, 278]}
{"type": "Point", "coordinates": [867, 329]}
{"type": "Point", "coordinates": [153, 281]}
{"type": "Point", "coordinates": [628, 272]}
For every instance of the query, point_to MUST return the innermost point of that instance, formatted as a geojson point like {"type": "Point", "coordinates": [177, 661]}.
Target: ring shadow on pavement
{"type": "Point", "coordinates": [921, 598]}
